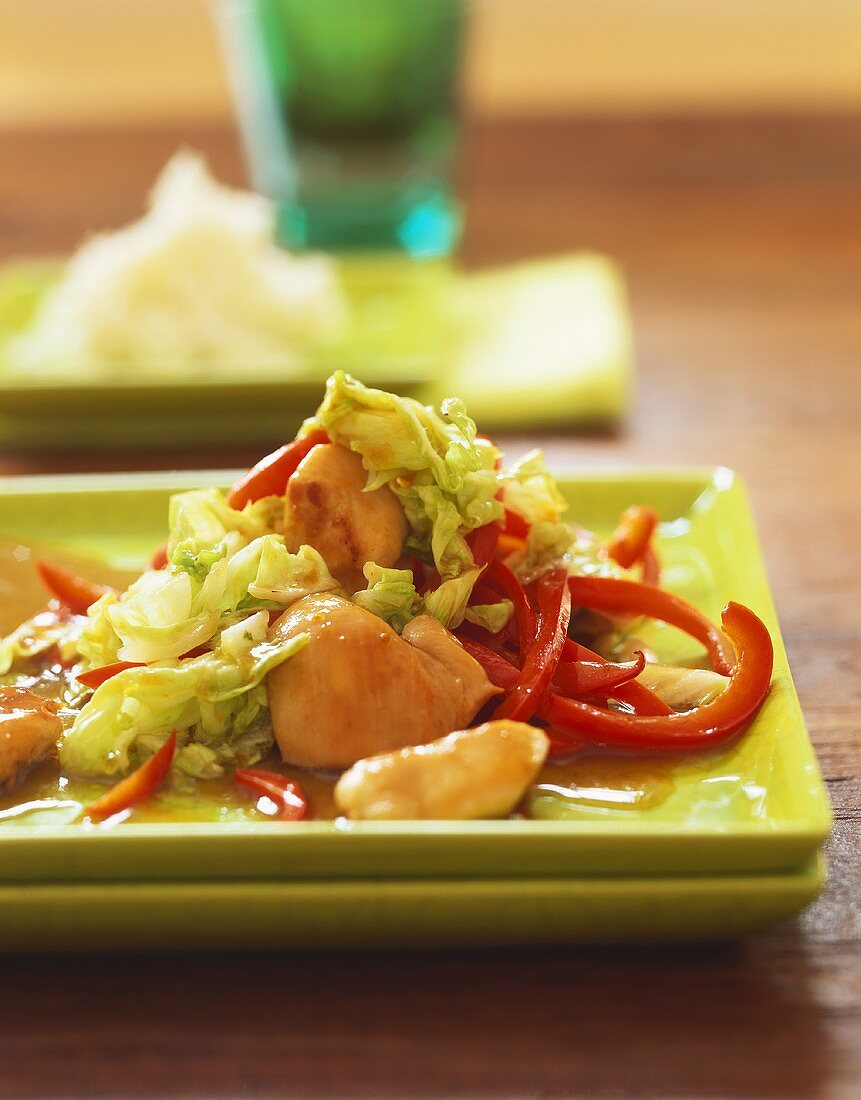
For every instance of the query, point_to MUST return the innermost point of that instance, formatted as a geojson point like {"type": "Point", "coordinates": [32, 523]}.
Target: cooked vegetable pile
{"type": "Point", "coordinates": [380, 598]}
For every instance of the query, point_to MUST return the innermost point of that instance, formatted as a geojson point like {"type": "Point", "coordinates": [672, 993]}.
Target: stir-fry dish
{"type": "Point", "coordinates": [382, 605]}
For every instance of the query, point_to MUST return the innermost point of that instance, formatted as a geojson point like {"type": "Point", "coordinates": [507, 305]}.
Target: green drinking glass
{"type": "Point", "coordinates": [348, 111]}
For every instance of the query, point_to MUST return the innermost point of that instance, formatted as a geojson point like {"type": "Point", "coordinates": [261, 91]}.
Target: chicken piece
{"type": "Point", "coordinates": [483, 772]}
{"type": "Point", "coordinates": [29, 729]}
{"type": "Point", "coordinates": [359, 689]}
{"type": "Point", "coordinates": [327, 508]}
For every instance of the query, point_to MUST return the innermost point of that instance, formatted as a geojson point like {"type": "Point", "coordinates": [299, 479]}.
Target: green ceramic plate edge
{"type": "Point", "coordinates": [433, 849]}
{"type": "Point", "coordinates": [426, 913]}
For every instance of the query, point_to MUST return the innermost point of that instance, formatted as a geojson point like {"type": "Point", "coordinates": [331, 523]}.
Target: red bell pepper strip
{"type": "Point", "coordinates": [72, 591]}
{"type": "Point", "coordinates": [575, 678]}
{"type": "Point", "coordinates": [500, 671]}
{"type": "Point", "coordinates": [482, 542]}
{"type": "Point", "coordinates": [633, 597]}
{"type": "Point", "coordinates": [287, 795]}
{"type": "Point", "coordinates": [95, 677]}
{"type": "Point", "coordinates": [704, 726]}
{"type": "Point", "coordinates": [271, 474]}
{"type": "Point", "coordinates": [524, 617]}
{"type": "Point", "coordinates": [540, 660]}
{"type": "Point", "coordinates": [481, 593]}
{"type": "Point", "coordinates": [633, 693]}
{"type": "Point", "coordinates": [137, 786]}
{"type": "Point", "coordinates": [629, 541]}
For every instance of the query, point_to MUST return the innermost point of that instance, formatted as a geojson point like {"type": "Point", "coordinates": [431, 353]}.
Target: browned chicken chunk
{"type": "Point", "coordinates": [482, 772]}
{"type": "Point", "coordinates": [29, 728]}
{"type": "Point", "coordinates": [327, 508]}
{"type": "Point", "coordinates": [359, 689]}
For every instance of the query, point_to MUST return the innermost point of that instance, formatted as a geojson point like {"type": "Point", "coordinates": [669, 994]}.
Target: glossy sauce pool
{"type": "Point", "coordinates": [599, 781]}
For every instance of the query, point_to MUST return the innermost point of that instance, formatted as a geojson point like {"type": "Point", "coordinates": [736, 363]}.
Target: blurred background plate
{"type": "Point", "coordinates": [393, 342]}
{"type": "Point", "coordinates": [542, 344]}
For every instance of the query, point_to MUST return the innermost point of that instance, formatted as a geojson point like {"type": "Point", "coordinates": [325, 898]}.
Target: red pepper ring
{"type": "Point", "coordinates": [704, 726]}
{"type": "Point", "coordinates": [633, 597]}
{"type": "Point", "coordinates": [270, 475]}
{"type": "Point", "coordinates": [541, 659]}
{"type": "Point", "coordinates": [287, 795]}
{"type": "Point", "coordinates": [141, 784]}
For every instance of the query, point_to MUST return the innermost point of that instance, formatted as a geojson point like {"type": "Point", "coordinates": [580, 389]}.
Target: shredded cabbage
{"type": "Point", "coordinates": [391, 594]}
{"type": "Point", "coordinates": [530, 490]}
{"type": "Point", "coordinates": [217, 701]}
{"type": "Point", "coordinates": [220, 563]}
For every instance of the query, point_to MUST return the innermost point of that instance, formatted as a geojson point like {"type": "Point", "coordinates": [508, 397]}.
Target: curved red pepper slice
{"type": "Point", "coordinates": [137, 786]}
{"type": "Point", "coordinates": [633, 535]}
{"type": "Point", "coordinates": [524, 617]}
{"type": "Point", "coordinates": [542, 657]}
{"type": "Point", "coordinates": [611, 594]}
{"type": "Point", "coordinates": [71, 590]}
{"type": "Point", "coordinates": [287, 795]}
{"type": "Point", "coordinates": [95, 677]}
{"type": "Point", "coordinates": [633, 693]}
{"type": "Point", "coordinates": [701, 727]}
{"type": "Point", "coordinates": [270, 475]}
{"type": "Point", "coordinates": [582, 677]}
{"type": "Point", "coordinates": [500, 671]}
{"type": "Point", "coordinates": [503, 673]}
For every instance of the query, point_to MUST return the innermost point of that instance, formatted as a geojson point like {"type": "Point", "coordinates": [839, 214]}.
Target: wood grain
{"type": "Point", "coordinates": [742, 243]}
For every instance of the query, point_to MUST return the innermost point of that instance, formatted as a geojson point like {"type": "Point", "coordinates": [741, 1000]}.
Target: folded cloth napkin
{"type": "Point", "coordinates": [543, 343]}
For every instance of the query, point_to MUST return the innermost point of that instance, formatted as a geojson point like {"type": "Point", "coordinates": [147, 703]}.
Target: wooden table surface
{"type": "Point", "coordinates": [742, 244]}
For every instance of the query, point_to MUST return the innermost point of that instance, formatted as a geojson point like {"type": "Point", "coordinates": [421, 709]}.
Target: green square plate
{"type": "Point", "coordinates": [425, 912]}
{"type": "Point", "coordinates": [758, 806]}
